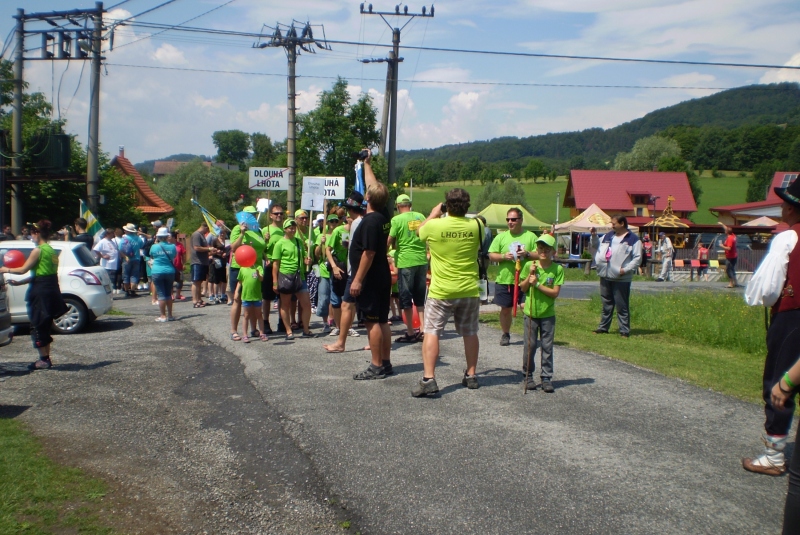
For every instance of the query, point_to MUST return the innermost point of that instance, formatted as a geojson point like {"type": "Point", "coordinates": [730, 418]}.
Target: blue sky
{"type": "Point", "coordinates": [158, 112]}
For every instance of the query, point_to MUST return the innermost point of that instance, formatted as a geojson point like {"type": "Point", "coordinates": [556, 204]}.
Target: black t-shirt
{"type": "Point", "coordinates": [371, 235]}
{"type": "Point", "coordinates": [84, 238]}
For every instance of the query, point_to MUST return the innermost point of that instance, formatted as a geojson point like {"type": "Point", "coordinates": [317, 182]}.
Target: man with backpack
{"type": "Point", "coordinates": [130, 248]}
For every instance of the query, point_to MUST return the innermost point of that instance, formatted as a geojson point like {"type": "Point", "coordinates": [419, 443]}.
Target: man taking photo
{"type": "Point", "coordinates": [454, 242]}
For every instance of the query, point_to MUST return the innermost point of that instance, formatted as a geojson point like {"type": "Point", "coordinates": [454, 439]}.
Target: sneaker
{"type": "Point", "coordinates": [372, 372]}
{"type": "Point", "coordinates": [531, 383]}
{"type": "Point", "coordinates": [308, 334]}
{"type": "Point", "coordinates": [547, 386]}
{"type": "Point", "coordinates": [353, 333]}
{"type": "Point", "coordinates": [212, 300]}
{"type": "Point", "coordinates": [334, 331]}
{"type": "Point", "coordinates": [425, 388]}
{"type": "Point", "coordinates": [470, 381]}
{"type": "Point", "coordinates": [659, 279]}
{"type": "Point", "coordinates": [505, 339]}
{"type": "Point", "coordinates": [43, 363]}
{"type": "Point", "coordinates": [326, 329]}
{"type": "Point", "coordinates": [267, 328]}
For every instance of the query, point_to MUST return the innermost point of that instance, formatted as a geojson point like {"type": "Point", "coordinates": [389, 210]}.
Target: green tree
{"type": "Point", "coordinates": [793, 160]}
{"type": "Point", "coordinates": [677, 164]}
{"type": "Point", "coordinates": [762, 178]}
{"type": "Point", "coordinates": [421, 171]}
{"type": "Point", "coordinates": [330, 134]}
{"type": "Point", "coordinates": [233, 146]}
{"type": "Point", "coordinates": [535, 168]}
{"type": "Point", "coordinates": [646, 154]}
{"type": "Point", "coordinates": [509, 193]}
{"type": "Point", "coordinates": [471, 169]}
{"type": "Point", "coordinates": [264, 151]}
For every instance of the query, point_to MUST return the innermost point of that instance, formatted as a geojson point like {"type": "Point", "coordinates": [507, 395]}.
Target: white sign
{"type": "Point", "coordinates": [262, 205]}
{"type": "Point", "coordinates": [313, 198]}
{"type": "Point", "coordinates": [269, 178]}
{"type": "Point", "coordinates": [334, 186]}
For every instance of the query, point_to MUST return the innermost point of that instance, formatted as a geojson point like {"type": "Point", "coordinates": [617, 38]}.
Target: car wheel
{"type": "Point", "coordinates": [74, 320]}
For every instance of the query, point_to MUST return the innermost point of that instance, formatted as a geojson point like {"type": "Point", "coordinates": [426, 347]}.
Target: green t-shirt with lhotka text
{"type": "Point", "coordinates": [251, 286]}
{"type": "Point", "coordinates": [538, 305]}
{"type": "Point", "coordinates": [453, 243]}
{"type": "Point", "coordinates": [290, 255]}
{"type": "Point", "coordinates": [410, 249]}
{"type": "Point", "coordinates": [501, 244]}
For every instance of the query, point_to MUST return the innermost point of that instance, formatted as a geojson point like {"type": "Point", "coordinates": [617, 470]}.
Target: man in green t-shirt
{"type": "Point", "coordinates": [412, 265]}
{"type": "Point", "coordinates": [542, 282]}
{"type": "Point", "coordinates": [510, 249]}
{"type": "Point", "coordinates": [272, 233]}
{"type": "Point", "coordinates": [454, 242]}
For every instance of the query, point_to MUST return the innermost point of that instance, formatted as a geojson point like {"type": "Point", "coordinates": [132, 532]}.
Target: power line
{"type": "Point", "coordinates": [510, 84]}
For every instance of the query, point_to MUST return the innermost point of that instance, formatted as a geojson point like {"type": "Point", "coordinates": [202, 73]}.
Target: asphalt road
{"type": "Point", "coordinates": [616, 449]}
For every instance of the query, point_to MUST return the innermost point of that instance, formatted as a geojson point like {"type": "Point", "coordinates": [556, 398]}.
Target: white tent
{"type": "Point", "coordinates": [592, 217]}
{"type": "Point", "coordinates": [763, 221]}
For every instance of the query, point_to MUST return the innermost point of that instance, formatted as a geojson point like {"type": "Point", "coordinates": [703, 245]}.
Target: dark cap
{"type": "Point", "coordinates": [355, 201]}
{"type": "Point", "coordinates": [790, 194]}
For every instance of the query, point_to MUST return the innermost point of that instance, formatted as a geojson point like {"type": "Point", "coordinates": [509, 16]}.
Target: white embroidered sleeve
{"type": "Point", "coordinates": [767, 283]}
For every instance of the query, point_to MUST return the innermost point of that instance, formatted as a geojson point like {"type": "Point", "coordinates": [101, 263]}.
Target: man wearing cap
{"type": "Point", "coordinates": [776, 284]}
{"type": "Point", "coordinates": [130, 247]}
{"type": "Point", "coordinates": [506, 249]}
{"type": "Point", "coordinates": [371, 284]}
{"type": "Point", "coordinates": [665, 250]}
{"type": "Point", "coordinates": [271, 234]}
{"type": "Point", "coordinates": [242, 235]}
{"type": "Point", "coordinates": [618, 255]}
{"type": "Point", "coordinates": [355, 211]}
{"type": "Point", "coordinates": [198, 258]}
{"type": "Point", "coordinates": [412, 265]}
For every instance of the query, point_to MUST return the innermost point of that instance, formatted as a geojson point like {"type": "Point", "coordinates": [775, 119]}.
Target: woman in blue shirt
{"type": "Point", "coordinates": [162, 270]}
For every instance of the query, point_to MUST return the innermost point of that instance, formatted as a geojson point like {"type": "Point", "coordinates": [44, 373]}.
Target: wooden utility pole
{"type": "Point", "coordinates": [16, 128]}
{"type": "Point", "coordinates": [93, 152]}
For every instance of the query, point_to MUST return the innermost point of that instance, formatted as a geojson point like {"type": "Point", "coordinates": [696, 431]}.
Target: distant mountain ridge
{"type": "Point", "coordinates": [147, 165]}
{"type": "Point", "coordinates": [750, 105]}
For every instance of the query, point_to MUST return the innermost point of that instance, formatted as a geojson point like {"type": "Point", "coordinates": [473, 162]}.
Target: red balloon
{"type": "Point", "coordinates": [245, 256]}
{"type": "Point", "coordinates": [13, 259]}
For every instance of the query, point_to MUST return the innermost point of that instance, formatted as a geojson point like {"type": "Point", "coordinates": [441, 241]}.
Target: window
{"type": "Point", "coordinates": [788, 178]}
{"type": "Point", "coordinates": [84, 256]}
{"type": "Point", "coordinates": [639, 212]}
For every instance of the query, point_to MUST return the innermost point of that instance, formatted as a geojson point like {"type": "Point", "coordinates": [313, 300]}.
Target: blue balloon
{"type": "Point", "coordinates": [249, 219]}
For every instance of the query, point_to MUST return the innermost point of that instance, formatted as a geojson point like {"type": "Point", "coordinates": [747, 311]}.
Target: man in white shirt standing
{"type": "Point", "coordinates": [666, 250]}
{"type": "Point", "coordinates": [108, 252]}
{"type": "Point", "coordinates": [776, 284]}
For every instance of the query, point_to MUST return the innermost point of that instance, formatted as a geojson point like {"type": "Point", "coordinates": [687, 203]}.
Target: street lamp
{"type": "Point", "coordinates": [558, 204]}
{"type": "Point", "coordinates": [653, 200]}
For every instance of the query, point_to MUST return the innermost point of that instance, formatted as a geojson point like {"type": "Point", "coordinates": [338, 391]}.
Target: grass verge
{"type": "Point", "coordinates": [39, 496]}
{"type": "Point", "coordinates": [711, 340]}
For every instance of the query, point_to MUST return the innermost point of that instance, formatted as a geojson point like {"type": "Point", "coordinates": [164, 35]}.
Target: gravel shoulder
{"type": "Point", "coordinates": [202, 434]}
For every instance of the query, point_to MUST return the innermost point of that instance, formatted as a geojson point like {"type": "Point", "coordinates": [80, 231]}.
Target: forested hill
{"type": "Point", "coordinates": [751, 105]}
{"type": "Point", "coordinates": [147, 165]}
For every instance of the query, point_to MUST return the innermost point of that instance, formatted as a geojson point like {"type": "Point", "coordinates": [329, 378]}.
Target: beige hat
{"type": "Point", "coordinates": [130, 227]}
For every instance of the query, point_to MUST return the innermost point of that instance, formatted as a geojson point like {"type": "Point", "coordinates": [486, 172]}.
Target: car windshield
{"type": "Point", "coordinates": [84, 256]}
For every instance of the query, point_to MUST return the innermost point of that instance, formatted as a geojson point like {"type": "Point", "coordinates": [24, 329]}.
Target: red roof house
{"type": "Point", "coordinates": [739, 214]}
{"type": "Point", "coordinates": [629, 193]}
{"type": "Point", "coordinates": [147, 200]}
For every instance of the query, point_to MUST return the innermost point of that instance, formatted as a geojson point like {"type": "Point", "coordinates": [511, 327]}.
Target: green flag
{"type": "Point", "coordinates": [93, 226]}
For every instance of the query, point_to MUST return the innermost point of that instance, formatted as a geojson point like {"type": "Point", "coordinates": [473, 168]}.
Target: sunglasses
{"type": "Point", "coordinates": [510, 219]}
{"type": "Point", "coordinates": [277, 214]}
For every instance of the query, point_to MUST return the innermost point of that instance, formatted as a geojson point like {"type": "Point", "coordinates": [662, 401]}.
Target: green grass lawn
{"type": "Point", "coordinates": [730, 189]}
{"type": "Point", "coordinates": [709, 339]}
{"type": "Point", "coordinates": [40, 496]}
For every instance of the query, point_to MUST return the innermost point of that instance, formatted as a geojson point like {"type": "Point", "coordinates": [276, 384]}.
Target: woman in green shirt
{"type": "Point", "coordinates": [44, 296]}
{"type": "Point", "coordinates": [289, 261]}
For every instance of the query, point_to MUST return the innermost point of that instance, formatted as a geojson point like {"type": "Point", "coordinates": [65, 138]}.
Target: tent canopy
{"type": "Point", "coordinates": [495, 215]}
{"type": "Point", "coordinates": [592, 217]}
{"type": "Point", "coordinates": [762, 221]}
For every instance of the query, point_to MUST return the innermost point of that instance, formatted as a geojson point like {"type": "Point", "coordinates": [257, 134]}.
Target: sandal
{"type": "Point", "coordinates": [199, 305]}
{"type": "Point", "coordinates": [407, 339]}
{"type": "Point", "coordinates": [295, 326]}
{"type": "Point", "coordinates": [264, 337]}
{"type": "Point", "coordinates": [245, 339]}
{"type": "Point", "coordinates": [235, 337]}
{"type": "Point", "coordinates": [290, 337]}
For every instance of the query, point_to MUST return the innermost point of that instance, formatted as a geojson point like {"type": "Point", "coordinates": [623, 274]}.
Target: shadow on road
{"type": "Point", "coordinates": [75, 367]}
{"type": "Point", "coordinates": [12, 411]}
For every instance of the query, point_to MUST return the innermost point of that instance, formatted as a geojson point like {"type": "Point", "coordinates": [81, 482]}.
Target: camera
{"type": "Point", "coordinates": [444, 208]}
{"type": "Point", "coordinates": [361, 156]}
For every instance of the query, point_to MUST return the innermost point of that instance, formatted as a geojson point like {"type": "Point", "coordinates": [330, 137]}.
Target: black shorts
{"type": "Point", "coordinates": [374, 303]}
{"type": "Point", "coordinates": [217, 275]}
{"type": "Point", "coordinates": [504, 295]}
{"type": "Point", "coordinates": [346, 297]}
{"type": "Point", "coordinates": [233, 279]}
{"type": "Point", "coordinates": [267, 291]}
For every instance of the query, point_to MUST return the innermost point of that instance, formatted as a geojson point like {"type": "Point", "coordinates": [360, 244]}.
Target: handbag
{"type": "Point", "coordinates": [218, 263]}
{"type": "Point", "coordinates": [289, 284]}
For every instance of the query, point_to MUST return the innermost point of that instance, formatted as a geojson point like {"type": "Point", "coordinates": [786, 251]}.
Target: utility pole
{"type": "Point", "coordinates": [16, 128]}
{"type": "Point", "coordinates": [291, 42]}
{"type": "Point", "coordinates": [92, 177]}
{"type": "Point", "coordinates": [394, 60]}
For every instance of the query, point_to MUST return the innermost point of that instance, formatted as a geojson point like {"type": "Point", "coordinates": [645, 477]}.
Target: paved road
{"type": "Point", "coordinates": [616, 449]}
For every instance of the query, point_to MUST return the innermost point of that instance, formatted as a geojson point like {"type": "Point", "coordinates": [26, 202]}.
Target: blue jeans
{"type": "Point", "coordinates": [730, 270]}
{"type": "Point", "coordinates": [163, 283]}
{"type": "Point", "coordinates": [325, 296]}
{"type": "Point", "coordinates": [130, 272]}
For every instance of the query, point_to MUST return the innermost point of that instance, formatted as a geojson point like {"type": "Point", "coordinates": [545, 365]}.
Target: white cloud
{"type": "Point", "coordinates": [306, 100]}
{"type": "Point", "coordinates": [213, 103]}
{"type": "Point", "coordinates": [463, 22]}
{"type": "Point", "coordinates": [784, 75]}
{"type": "Point", "coordinates": [169, 55]}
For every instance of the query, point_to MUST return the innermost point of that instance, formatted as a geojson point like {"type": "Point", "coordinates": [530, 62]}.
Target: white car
{"type": "Point", "coordinates": [86, 287]}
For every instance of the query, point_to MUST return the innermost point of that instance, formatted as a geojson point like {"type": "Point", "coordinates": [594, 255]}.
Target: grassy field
{"type": "Point", "coordinates": [39, 496]}
{"type": "Point", "coordinates": [730, 189]}
{"type": "Point", "coordinates": [709, 339]}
